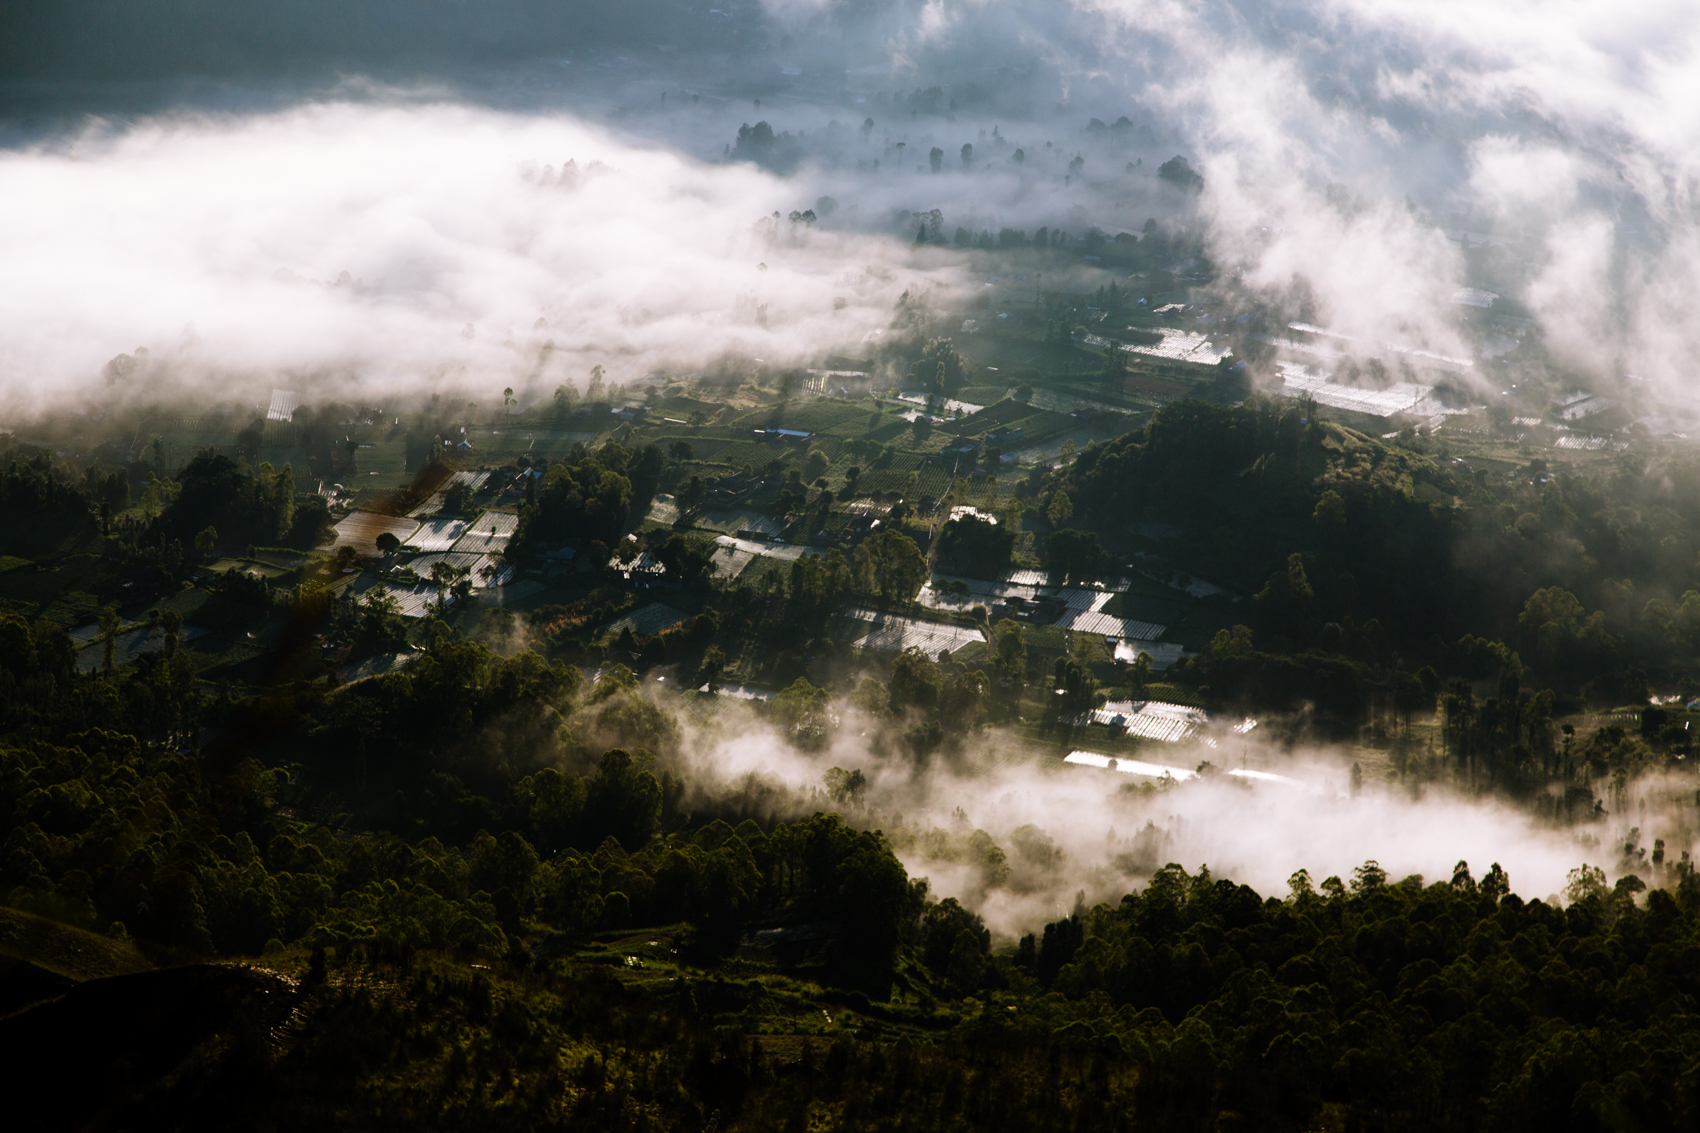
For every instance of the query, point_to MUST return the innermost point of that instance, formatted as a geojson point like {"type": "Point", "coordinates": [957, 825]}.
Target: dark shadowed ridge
{"type": "Point", "coordinates": [87, 1053]}
{"type": "Point", "coordinates": [150, 39]}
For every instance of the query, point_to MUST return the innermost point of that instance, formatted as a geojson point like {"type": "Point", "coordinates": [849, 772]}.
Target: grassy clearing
{"type": "Point", "coordinates": [812, 416]}
{"type": "Point", "coordinates": [1005, 412]}
{"type": "Point", "coordinates": [64, 950]}
{"type": "Point", "coordinates": [501, 443]}
{"type": "Point", "coordinates": [71, 608]}
{"type": "Point", "coordinates": [61, 591]}
{"type": "Point", "coordinates": [384, 464]}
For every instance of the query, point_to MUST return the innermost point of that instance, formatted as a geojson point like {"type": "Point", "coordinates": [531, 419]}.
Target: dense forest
{"type": "Point", "coordinates": [1398, 534]}
{"type": "Point", "coordinates": [490, 886]}
{"type": "Point", "coordinates": [461, 977]}
{"type": "Point", "coordinates": [1384, 579]}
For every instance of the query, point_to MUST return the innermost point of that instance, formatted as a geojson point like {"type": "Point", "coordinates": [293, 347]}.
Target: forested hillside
{"type": "Point", "coordinates": [483, 952]}
{"type": "Point", "coordinates": [494, 883]}
{"type": "Point", "coordinates": [1368, 561]}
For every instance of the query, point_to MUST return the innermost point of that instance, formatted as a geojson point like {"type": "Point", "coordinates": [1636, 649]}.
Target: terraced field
{"type": "Point", "coordinates": [813, 416]}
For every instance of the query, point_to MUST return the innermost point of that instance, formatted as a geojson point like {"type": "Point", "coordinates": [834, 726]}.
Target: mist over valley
{"type": "Point", "coordinates": [826, 565]}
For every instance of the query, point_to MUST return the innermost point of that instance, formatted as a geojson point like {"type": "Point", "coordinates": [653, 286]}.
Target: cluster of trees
{"type": "Point", "coordinates": [204, 852]}
{"type": "Point", "coordinates": [939, 371]}
{"type": "Point", "coordinates": [1072, 694]}
{"type": "Point", "coordinates": [237, 505]}
{"type": "Point", "coordinates": [41, 503]}
{"type": "Point", "coordinates": [761, 145]}
{"type": "Point", "coordinates": [37, 673]}
{"type": "Point", "coordinates": [598, 391]}
{"type": "Point", "coordinates": [591, 497]}
{"type": "Point", "coordinates": [580, 1051]}
{"type": "Point", "coordinates": [1372, 551]}
{"type": "Point", "coordinates": [1179, 172]}
{"type": "Point", "coordinates": [43, 696]}
{"type": "Point", "coordinates": [888, 566]}
{"type": "Point", "coordinates": [1369, 1003]}
{"type": "Point", "coordinates": [976, 546]}
{"type": "Point", "coordinates": [938, 704]}
{"type": "Point", "coordinates": [369, 624]}
{"type": "Point", "coordinates": [1071, 551]}
{"type": "Point", "coordinates": [930, 226]}
{"type": "Point", "coordinates": [372, 743]}
{"type": "Point", "coordinates": [330, 449]}
{"type": "Point", "coordinates": [721, 879]}
{"type": "Point", "coordinates": [216, 503]}
{"type": "Point", "coordinates": [1445, 1005]}
{"type": "Point", "coordinates": [1003, 239]}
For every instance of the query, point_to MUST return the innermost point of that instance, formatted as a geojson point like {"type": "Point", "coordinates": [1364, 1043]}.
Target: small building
{"type": "Point", "coordinates": [283, 406]}
{"type": "Point", "coordinates": [560, 568]}
{"type": "Point", "coordinates": [791, 436]}
{"type": "Point", "coordinates": [1474, 297]}
{"type": "Point", "coordinates": [964, 512]}
{"type": "Point", "coordinates": [730, 491]}
{"type": "Point", "coordinates": [1588, 404]}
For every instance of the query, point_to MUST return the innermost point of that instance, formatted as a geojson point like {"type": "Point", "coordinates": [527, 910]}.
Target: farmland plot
{"type": "Point", "coordinates": [437, 534]}
{"type": "Point", "coordinates": [469, 562]}
{"type": "Point", "coordinates": [1162, 653]}
{"type": "Point", "coordinates": [414, 600]}
{"type": "Point", "coordinates": [647, 622]}
{"type": "Point", "coordinates": [733, 520]}
{"type": "Point", "coordinates": [360, 530]}
{"type": "Point", "coordinates": [1083, 609]}
{"type": "Point", "coordinates": [127, 647]}
{"type": "Point", "coordinates": [1151, 719]}
{"type": "Point", "coordinates": [489, 533]}
{"type": "Point", "coordinates": [893, 633]}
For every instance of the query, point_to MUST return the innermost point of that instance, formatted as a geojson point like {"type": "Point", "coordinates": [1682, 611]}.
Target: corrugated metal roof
{"type": "Point", "coordinates": [437, 534]}
{"type": "Point", "coordinates": [647, 622]}
{"type": "Point", "coordinates": [489, 533]}
{"type": "Point", "coordinates": [284, 404]}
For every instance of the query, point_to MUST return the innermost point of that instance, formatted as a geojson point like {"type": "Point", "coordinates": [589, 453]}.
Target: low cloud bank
{"type": "Point", "coordinates": [1020, 842]}
{"type": "Point", "coordinates": [380, 249]}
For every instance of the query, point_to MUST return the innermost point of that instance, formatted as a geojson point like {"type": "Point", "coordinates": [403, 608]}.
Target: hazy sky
{"type": "Point", "coordinates": [157, 193]}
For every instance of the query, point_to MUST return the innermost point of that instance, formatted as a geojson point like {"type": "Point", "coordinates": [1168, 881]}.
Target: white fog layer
{"type": "Point", "coordinates": [390, 247]}
{"type": "Point", "coordinates": [1073, 830]}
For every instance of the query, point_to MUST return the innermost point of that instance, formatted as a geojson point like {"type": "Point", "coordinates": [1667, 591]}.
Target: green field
{"type": "Point", "coordinates": [815, 417]}
{"type": "Point", "coordinates": [60, 592]}
{"type": "Point", "coordinates": [493, 445]}
{"type": "Point", "coordinates": [753, 454]}
{"type": "Point", "coordinates": [383, 464]}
